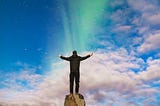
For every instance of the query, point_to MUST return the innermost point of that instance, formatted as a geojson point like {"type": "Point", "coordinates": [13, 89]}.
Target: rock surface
{"type": "Point", "coordinates": [74, 100]}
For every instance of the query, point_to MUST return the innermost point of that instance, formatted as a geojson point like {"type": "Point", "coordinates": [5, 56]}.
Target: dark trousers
{"type": "Point", "coordinates": [74, 76]}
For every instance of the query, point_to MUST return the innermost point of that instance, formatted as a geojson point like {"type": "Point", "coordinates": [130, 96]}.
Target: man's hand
{"type": "Point", "coordinates": [59, 55]}
{"type": "Point", "coordinates": [91, 54]}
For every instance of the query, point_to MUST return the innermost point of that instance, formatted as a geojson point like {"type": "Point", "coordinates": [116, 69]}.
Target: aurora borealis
{"type": "Point", "coordinates": [80, 19]}
{"type": "Point", "coordinates": [124, 36]}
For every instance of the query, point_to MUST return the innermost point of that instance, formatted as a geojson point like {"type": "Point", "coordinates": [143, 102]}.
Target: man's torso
{"type": "Point", "coordinates": [74, 63]}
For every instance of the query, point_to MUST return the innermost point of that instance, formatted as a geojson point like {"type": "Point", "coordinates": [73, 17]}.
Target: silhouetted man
{"type": "Point", "coordinates": [74, 69]}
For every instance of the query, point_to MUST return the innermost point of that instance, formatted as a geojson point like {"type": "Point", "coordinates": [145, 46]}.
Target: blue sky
{"type": "Point", "coordinates": [124, 36]}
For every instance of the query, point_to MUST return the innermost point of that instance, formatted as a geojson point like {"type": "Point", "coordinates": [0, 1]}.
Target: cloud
{"type": "Point", "coordinates": [152, 72]}
{"type": "Point", "coordinates": [129, 19]}
{"type": "Point", "coordinates": [145, 16]}
{"type": "Point", "coordinates": [152, 19]}
{"type": "Point", "coordinates": [144, 6]}
{"type": "Point", "coordinates": [123, 28]}
{"type": "Point", "coordinates": [145, 22]}
{"type": "Point", "coordinates": [150, 43]}
{"type": "Point", "coordinates": [106, 79]}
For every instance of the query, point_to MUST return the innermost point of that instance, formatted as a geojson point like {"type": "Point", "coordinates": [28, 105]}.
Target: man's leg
{"type": "Point", "coordinates": [71, 82]}
{"type": "Point", "coordinates": [77, 81]}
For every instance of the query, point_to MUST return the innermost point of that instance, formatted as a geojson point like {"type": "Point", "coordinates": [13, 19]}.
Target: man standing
{"type": "Point", "coordinates": [74, 69]}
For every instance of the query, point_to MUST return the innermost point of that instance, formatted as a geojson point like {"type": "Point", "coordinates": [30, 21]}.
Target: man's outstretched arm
{"type": "Point", "coordinates": [85, 57]}
{"type": "Point", "coordinates": [64, 58]}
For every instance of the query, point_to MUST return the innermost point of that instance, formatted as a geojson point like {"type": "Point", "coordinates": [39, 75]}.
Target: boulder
{"type": "Point", "coordinates": [74, 100]}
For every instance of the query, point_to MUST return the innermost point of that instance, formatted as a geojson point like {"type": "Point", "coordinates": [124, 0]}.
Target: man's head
{"type": "Point", "coordinates": [74, 52]}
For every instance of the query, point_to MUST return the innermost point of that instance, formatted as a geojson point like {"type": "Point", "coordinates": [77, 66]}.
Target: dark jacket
{"type": "Point", "coordinates": [74, 61]}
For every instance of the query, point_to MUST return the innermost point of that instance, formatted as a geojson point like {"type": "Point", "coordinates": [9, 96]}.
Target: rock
{"type": "Point", "coordinates": [74, 100]}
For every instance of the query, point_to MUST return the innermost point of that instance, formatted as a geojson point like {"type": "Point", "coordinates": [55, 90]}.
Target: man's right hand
{"type": "Point", "coordinates": [91, 54]}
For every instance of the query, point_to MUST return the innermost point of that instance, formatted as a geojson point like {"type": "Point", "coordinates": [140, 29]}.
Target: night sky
{"type": "Point", "coordinates": [123, 35]}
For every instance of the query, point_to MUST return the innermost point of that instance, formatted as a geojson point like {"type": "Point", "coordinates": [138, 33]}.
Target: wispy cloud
{"type": "Point", "coordinates": [106, 78]}
{"type": "Point", "coordinates": [150, 43]}
{"type": "Point", "coordinates": [135, 25]}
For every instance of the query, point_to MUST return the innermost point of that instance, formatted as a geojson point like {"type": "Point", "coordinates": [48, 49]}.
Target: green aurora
{"type": "Point", "coordinates": [80, 19]}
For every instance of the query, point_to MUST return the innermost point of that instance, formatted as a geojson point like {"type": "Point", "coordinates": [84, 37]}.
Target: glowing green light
{"type": "Point", "coordinates": [80, 19]}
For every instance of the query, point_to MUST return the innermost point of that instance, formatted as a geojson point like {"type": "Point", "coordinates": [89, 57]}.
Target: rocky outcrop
{"type": "Point", "coordinates": [74, 100]}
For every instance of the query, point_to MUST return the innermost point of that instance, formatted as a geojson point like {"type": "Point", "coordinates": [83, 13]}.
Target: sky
{"type": "Point", "coordinates": [123, 35]}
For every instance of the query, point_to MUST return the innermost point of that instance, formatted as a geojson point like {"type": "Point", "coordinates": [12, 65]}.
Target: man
{"type": "Point", "coordinates": [74, 69]}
